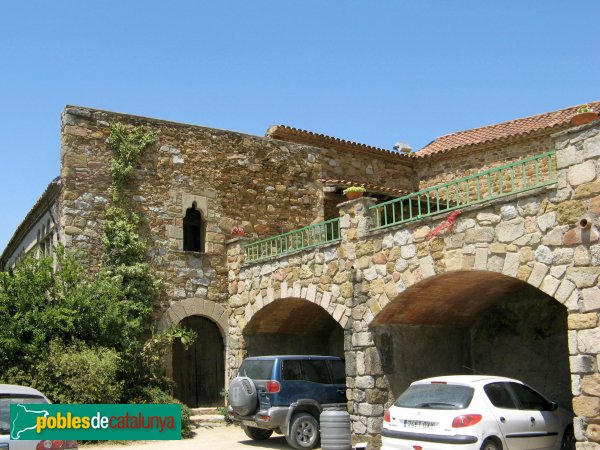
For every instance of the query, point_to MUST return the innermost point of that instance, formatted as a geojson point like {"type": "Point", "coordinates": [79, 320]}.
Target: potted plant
{"type": "Point", "coordinates": [584, 115]}
{"type": "Point", "coordinates": [237, 231]}
{"type": "Point", "coordinates": [354, 192]}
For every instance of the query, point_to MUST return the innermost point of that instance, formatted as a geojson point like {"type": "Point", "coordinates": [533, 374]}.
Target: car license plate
{"type": "Point", "coordinates": [418, 424]}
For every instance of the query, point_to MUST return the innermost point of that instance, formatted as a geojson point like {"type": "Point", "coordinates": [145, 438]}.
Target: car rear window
{"type": "Point", "coordinates": [528, 398]}
{"type": "Point", "coordinates": [291, 370]}
{"type": "Point", "coordinates": [314, 370]}
{"type": "Point", "coordinates": [9, 399]}
{"type": "Point", "coordinates": [436, 396]}
{"type": "Point", "coordinates": [257, 369]}
{"type": "Point", "coordinates": [499, 395]}
{"type": "Point", "coordinates": [338, 370]}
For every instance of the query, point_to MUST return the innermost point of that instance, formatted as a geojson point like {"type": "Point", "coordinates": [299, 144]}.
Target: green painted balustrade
{"type": "Point", "coordinates": [310, 236]}
{"type": "Point", "coordinates": [509, 179]}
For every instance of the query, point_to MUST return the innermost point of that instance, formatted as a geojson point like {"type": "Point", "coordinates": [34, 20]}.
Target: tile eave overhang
{"type": "Point", "coordinates": [50, 194]}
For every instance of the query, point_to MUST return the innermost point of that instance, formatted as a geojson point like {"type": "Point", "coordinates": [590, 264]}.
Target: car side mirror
{"type": "Point", "coordinates": [551, 406]}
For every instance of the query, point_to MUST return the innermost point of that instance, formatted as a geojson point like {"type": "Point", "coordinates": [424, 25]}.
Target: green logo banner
{"type": "Point", "coordinates": [95, 422]}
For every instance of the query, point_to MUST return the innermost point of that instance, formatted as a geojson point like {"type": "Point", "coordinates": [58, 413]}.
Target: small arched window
{"type": "Point", "coordinates": [193, 230]}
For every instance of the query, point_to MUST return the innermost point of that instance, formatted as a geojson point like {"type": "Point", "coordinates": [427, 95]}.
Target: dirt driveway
{"type": "Point", "coordinates": [213, 436]}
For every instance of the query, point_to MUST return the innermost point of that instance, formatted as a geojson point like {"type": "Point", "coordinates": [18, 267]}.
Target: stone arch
{"type": "Point", "coordinates": [325, 300]}
{"type": "Point", "coordinates": [295, 311]}
{"type": "Point", "coordinates": [475, 322]}
{"type": "Point", "coordinates": [196, 307]}
{"type": "Point", "coordinates": [557, 280]}
{"type": "Point", "coordinates": [421, 303]}
{"type": "Point", "coordinates": [193, 307]}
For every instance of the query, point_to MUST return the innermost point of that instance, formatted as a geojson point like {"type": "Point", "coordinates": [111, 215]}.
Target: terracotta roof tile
{"type": "Point", "coordinates": [518, 128]}
{"type": "Point", "coordinates": [298, 136]}
{"type": "Point", "coordinates": [50, 194]}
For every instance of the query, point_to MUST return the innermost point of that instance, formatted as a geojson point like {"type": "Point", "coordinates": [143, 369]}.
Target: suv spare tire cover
{"type": "Point", "coordinates": [242, 396]}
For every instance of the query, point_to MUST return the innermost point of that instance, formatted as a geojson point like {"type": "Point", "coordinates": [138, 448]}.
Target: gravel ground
{"type": "Point", "coordinates": [207, 436]}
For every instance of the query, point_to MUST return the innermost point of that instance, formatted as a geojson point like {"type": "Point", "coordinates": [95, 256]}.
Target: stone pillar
{"type": "Point", "coordinates": [578, 211]}
{"type": "Point", "coordinates": [236, 350]}
{"type": "Point", "coordinates": [367, 387]}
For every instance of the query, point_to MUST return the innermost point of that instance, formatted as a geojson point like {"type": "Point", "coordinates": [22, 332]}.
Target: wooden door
{"type": "Point", "coordinates": [199, 371]}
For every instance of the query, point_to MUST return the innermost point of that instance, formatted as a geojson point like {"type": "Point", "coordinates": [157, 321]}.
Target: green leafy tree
{"type": "Point", "coordinates": [39, 304]}
{"type": "Point", "coordinates": [87, 337]}
{"type": "Point", "coordinates": [77, 373]}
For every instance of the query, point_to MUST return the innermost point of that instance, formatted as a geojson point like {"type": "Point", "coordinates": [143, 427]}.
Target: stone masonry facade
{"type": "Point", "coordinates": [270, 186]}
{"type": "Point", "coordinates": [534, 237]}
{"type": "Point", "coordinates": [265, 186]}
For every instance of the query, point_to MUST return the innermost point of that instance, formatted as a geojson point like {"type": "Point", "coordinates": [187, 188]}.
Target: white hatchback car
{"type": "Point", "coordinates": [11, 394]}
{"type": "Point", "coordinates": [475, 412]}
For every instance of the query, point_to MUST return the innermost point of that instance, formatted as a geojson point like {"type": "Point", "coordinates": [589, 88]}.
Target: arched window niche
{"type": "Point", "coordinates": [193, 230]}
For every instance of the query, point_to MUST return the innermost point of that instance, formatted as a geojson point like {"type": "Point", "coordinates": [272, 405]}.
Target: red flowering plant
{"type": "Point", "coordinates": [237, 231]}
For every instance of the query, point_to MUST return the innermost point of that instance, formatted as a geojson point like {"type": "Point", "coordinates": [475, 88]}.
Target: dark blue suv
{"type": "Point", "coordinates": [286, 394]}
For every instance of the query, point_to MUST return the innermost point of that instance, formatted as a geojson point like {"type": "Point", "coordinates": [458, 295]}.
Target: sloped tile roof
{"type": "Point", "coordinates": [502, 132]}
{"type": "Point", "coordinates": [50, 195]}
{"type": "Point", "coordinates": [298, 136]}
{"type": "Point", "coordinates": [518, 128]}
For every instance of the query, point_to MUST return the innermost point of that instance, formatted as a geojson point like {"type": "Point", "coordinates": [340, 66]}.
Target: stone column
{"type": "Point", "coordinates": [367, 388]}
{"type": "Point", "coordinates": [236, 350]}
{"type": "Point", "coordinates": [578, 211]}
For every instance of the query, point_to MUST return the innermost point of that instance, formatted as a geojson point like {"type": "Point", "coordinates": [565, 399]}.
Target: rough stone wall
{"type": "Point", "coordinates": [270, 186]}
{"type": "Point", "coordinates": [233, 178]}
{"type": "Point", "coordinates": [319, 276]}
{"type": "Point", "coordinates": [389, 171]}
{"type": "Point", "coordinates": [442, 168]}
{"type": "Point", "coordinates": [266, 186]}
{"type": "Point", "coordinates": [534, 237]}
{"type": "Point", "coordinates": [527, 332]}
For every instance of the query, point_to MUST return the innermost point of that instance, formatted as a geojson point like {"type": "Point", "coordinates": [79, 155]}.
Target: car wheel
{"type": "Point", "coordinates": [258, 434]}
{"type": "Point", "coordinates": [304, 432]}
{"type": "Point", "coordinates": [491, 444]}
{"type": "Point", "coordinates": [568, 440]}
{"type": "Point", "coordinates": [242, 396]}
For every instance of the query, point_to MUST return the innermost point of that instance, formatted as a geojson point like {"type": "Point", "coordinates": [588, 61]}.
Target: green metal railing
{"type": "Point", "coordinates": [519, 176]}
{"type": "Point", "coordinates": [301, 239]}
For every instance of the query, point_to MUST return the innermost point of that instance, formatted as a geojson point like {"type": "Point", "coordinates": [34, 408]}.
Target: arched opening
{"type": "Point", "coordinates": [475, 322]}
{"type": "Point", "coordinates": [199, 371]}
{"type": "Point", "coordinates": [293, 327]}
{"type": "Point", "coordinates": [193, 230]}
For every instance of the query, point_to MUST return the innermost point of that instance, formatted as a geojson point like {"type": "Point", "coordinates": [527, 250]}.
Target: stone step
{"type": "Point", "coordinates": [202, 411]}
{"type": "Point", "coordinates": [204, 416]}
{"type": "Point", "coordinates": [207, 418]}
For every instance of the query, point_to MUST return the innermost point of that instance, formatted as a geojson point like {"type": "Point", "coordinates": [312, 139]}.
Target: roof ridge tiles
{"type": "Point", "coordinates": [283, 132]}
{"type": "Point", "coordinates": [514, 128]}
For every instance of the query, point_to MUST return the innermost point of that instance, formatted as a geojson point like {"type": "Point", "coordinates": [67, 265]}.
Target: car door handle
{"type": "Point", "coordinates": [341, 391]}
{"type": "Point", "coordinates": [502, 419]}
{"type": "Point", "coordinates": [532, 420]}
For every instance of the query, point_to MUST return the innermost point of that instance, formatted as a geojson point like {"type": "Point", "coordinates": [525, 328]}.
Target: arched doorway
{"type": "Point", "coordinates": [199, 371]}
{"type": "Point", "coordinates": [475, 322]}
{"type": "Point", "coordinates": [293, 327]}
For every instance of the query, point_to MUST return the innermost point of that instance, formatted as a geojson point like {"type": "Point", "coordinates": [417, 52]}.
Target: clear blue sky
{"type": "Point", "coordinates": [370, 71]}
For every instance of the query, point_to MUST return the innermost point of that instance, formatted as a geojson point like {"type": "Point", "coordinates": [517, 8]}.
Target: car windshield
{"type": "Point", "coordinates": [12, 399]}
{"type": "Point", "coordinates": [257, 369]}
{"type": "Point", "coordinates": [436, 396]}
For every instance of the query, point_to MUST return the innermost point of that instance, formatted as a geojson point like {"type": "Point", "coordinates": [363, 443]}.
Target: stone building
{"type": "Point", "coordinates": [478, 253]}
{"type": "Point", "coordinates": [38, 233]}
